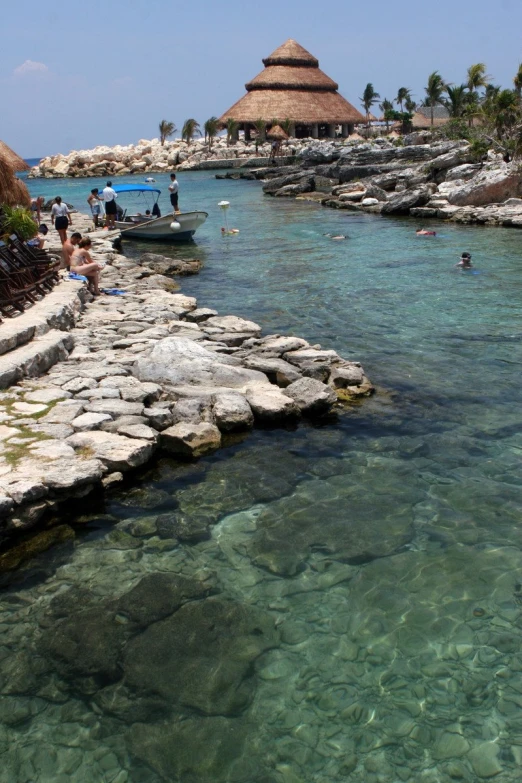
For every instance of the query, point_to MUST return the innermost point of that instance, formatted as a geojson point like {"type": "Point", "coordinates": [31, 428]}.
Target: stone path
{"type": "Point", "coordinates": [139, 372]}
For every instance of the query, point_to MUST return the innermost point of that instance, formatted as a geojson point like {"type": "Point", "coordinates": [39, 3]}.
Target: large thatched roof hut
{"type": "Point", "coordinates": [12, 159]}
{"type": "Point", "coordinates": [293, 87]}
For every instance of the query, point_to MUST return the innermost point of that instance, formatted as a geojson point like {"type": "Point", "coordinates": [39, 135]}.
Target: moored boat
{"type": "Point", "coordinates": [168, 228]}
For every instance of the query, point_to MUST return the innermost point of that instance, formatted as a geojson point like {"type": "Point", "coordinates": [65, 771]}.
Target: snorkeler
{"type": "Point", "coordinates": [335, 236]}
{"type": "Point", "coordinates": [422, 232]}
{"type": "Point", "coordinates": [465, 261]}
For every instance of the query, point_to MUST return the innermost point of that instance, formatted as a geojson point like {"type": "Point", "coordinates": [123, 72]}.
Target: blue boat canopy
{"type": "Point", "coordinates": [135, 188]}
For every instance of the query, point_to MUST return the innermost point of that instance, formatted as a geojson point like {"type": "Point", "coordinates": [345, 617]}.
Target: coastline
{"type": "Point", "coordinates": [418, 176]}
{"type": "Point", "coordinates": [147, 372]}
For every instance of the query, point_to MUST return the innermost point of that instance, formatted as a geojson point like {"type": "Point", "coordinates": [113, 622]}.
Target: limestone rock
{"type": "Point", "coordinates": [138, 431]}
{"type": "Point", "coordinates": [89, 421]}
{"type": "Point", "coordinates": [401, 203]}
{"type": "Point", "coordinates": [232, 412]}
{"type": "Point", "coordinates": [484, 759]}
{"type": "Point", "coordinates": [159, 418]}
{"type": "Point", "coordinates": [200, 315]}
{"type": "Point", "coordinates": [47, 395]}
{"type": "Point", "coordinates": [489, 187]}
{"type": "Point", "coordinates": [277, 370]}
{"type": "Point", "coordinates": [115, 408]}
{"type": "Point", "coordinates": [179, 361]}
{"type": "Point", "coordinates": [201, 656]}
{"type": "Point", "coordinates": [70, 474]}
{"type": "Point", "coordinates": [346, 375]}
{"type": "Point", "coordinates": [190, 440]}
{"type": "Point", "coordinates": [159, 595]}
{"type": "Point", "coordinates": [191, 750]}
{"type": "Point", "coordinates": [115, 451]}
{"type": "Point", "coordinates": [313, 398]}
{"type": "Point", "coordinates": [270, 405]}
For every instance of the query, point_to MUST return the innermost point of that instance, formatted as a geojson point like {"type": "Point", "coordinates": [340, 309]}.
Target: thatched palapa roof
{"type": "Point", "coordinates": [12, 159]}
{"type": "Point", "coordinates": [292, 86]}
{"type": "Point", "coordinates": [277, 133]}
{"type": "Point", "coordinates": [13, 192]}
{"type": "Point", "coordinates": [422, 117]}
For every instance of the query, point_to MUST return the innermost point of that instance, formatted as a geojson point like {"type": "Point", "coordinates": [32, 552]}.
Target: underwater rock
{"type": "Point", "coordinates": [310, 521]}
{"type": "Point", "coordinates": [157, 596]}
{"type": "Point", "coordinates": [195, 751]}
{"type": "Point", "coordinates": [86, 644]}
{"type": "Point", "coordinates": [190, 528]}
{"type": "Point", "coordinates": [201, 656]}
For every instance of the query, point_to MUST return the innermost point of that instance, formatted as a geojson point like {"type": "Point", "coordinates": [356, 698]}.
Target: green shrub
{"type": "Point", "coordinates": [17, 220]}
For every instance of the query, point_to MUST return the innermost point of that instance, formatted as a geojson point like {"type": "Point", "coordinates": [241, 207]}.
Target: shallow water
{"type": "Point", "coordinates": [365, 617]}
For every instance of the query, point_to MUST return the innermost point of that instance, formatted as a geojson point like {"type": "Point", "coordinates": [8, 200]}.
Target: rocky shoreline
{"type": "Point", "coordinates": [146, 372]}
{"type": "Point", "coordinates": [151, 157]}
{"type": "Point", "coordinates": [438, 180]}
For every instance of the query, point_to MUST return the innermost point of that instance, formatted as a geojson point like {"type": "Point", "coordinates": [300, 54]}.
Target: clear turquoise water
{"type": "Point", "coordinates": [399, 655]}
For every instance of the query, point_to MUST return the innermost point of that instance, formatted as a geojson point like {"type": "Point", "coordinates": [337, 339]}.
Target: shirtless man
{"type": "Point", "coordinates": [69, 246]}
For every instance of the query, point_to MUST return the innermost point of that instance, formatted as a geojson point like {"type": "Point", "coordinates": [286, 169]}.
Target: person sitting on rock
{"type": "Point", "coordinates": [39, 238]}
{"type": "Point", "coordinates": [68, 248]}
{"type": "Point", "coordinates": [82, 264]}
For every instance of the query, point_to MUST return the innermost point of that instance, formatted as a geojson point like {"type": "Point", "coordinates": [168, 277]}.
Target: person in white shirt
{"type": "Point", "coordinates": [61, 217]}
{"type": "Point", "coordinates": [174, 189]}
{"type": "Point", "coordinates": [109, 196]}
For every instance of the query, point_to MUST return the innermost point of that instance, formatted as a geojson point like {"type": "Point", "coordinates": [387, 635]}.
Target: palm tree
{"type": "Point", "coordinates": [190, 130]}
{"type": "Point", "coordinates": [505, 111]}
{"type": "Point", "coordinates": [434, 91]}
{"type": "Point", "coordinates": [260, 126]}
{"type": "Point", "coordinates": [456, 102]}
{"type": "Point", "coordinates": [404, 94]}
{"type": "Point", "coordinates": [517, 81]}
{"type": "Point", "coordinates": [477, 77]}
{"type": "Point", "coordinates": [211, 128]}
{"type": "Point", "coordinates": [410, 105]}
{"type": "Point", "coordinates": [386, 106]}
{"type": "Point", "coordinates": [166, 129]}
{"type": "Point", "coordinates": [232, 127]}
{"type": "Point", "coordinates": [369, 97]}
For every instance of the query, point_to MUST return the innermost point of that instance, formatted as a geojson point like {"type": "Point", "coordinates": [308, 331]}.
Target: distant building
{"type": "Point", "coordinates": [292, 87]}
{"type": "Point", "coordinates": [422, 118]}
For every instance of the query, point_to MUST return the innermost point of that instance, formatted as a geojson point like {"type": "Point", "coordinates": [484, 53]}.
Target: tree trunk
{"type": "Point", "coordinates": [432, 118]}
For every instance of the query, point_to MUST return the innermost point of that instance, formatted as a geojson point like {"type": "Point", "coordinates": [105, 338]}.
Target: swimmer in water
{"type": "Point", "coordinates": [335, 236]}
{"type": "Point", "coordinates": [465, 261]}
{"type": "Point", "coordinates": [421, 232]}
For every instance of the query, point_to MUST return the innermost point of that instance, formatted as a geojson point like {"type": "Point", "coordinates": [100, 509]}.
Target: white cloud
{"type": "Point", "coordinates": [30, 67]}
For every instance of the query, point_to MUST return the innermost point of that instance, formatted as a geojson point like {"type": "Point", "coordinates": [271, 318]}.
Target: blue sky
{"type": "Point", "coordinates": [73, 75]}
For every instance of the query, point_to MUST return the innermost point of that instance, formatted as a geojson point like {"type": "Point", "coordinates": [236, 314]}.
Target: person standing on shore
{"type": "Point", "coordinates": [109, 197]}
{"type": "Point", "coordinates": [36, 208]}
{"type": "Point", "coordinates": [174, 190]}
{"type": "Point", "coordinates": [94, 201]}
{"type": "Point", "coordinates": [61, 218]}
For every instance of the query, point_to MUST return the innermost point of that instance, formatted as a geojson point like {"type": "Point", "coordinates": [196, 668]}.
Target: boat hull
{"type": "Point", "coordinates": [169, 228]}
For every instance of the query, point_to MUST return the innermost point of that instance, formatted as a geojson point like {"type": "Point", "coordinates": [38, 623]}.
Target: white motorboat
{"type": "Point", "coordinates": [169, 228]}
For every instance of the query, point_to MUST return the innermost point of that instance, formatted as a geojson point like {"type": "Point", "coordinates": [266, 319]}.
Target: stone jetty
{"type": "Point", "coordinates": [94, 388]}
{"type": "Point", "coordinates": [150, 156]}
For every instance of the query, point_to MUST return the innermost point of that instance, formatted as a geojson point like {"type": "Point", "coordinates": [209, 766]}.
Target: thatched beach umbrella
{"type": "Point", "coordinates": [13, 192]}
{"type": "Point", "coordinates": [12, 159]}
{"type": "Point", "coordinates": [277, 133]}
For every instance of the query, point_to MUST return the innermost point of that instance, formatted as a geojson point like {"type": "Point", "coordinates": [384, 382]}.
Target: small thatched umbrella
{"type": "Point", "coordinates": [12, 159]}
{"type": "Point", "coordinates": [13, 192]}
{"type": "Point", "coordinates": [277, 133]}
